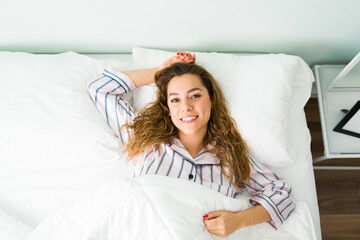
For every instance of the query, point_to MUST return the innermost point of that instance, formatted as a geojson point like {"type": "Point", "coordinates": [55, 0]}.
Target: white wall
{"type": "Point", "coordinates": [320, 31]}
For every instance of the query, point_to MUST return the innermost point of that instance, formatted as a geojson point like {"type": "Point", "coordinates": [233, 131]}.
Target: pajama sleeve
{"type": "Point", "coordinates": [107, 91]}
{"type": "Point", "coordinates": [272, 192]}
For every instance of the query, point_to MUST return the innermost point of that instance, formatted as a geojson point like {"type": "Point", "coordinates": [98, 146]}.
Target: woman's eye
{"type": "Point", "coordinates": [196, 96]}
{"type": "Point", "coordinates": [174, 100]}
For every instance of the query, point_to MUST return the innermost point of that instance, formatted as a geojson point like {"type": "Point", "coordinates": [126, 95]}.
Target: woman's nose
{"type": "Point", "coordinates": [186, 106]}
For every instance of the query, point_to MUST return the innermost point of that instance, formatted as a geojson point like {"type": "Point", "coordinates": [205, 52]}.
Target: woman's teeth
{"type": "Point", "coordinates": [188, 118]}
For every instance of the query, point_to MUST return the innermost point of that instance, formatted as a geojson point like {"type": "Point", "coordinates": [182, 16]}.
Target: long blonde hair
{"type": "Point", "coordinates": [154, 126]}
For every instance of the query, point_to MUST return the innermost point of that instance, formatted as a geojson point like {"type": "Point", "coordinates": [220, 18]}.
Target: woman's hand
{"type": "Point", "coordinates": [222, 223]}
{"type": "Point", "coordinates": [142, 77]}
{"type": "Point", "coordinates": [184, 57]}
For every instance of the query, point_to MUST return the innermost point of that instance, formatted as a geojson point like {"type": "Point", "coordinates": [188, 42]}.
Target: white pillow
{"type": "Point", "coordinates": [54, 142]}
{"type": "Point", "coordinates": [259, 90]}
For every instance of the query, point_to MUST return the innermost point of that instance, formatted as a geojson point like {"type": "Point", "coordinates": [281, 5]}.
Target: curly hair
{"type": "Point", "coordinates": [222, 132]}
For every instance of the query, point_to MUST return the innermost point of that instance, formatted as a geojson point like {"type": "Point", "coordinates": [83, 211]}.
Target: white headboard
{"type": "Point", "coordinates": [321, 31]}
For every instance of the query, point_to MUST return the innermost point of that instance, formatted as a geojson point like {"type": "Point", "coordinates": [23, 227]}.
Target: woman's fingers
{"type": "Point", "coordinates": [193, 58]}
{"type": "Point", "coordinates": [182, 55]}
{"type": "Point", "coordinates": [221, 223]}
{"type": "Point", "coordinates": [214, 214]}
{"type": "Point", "coordinates": [185, 57]}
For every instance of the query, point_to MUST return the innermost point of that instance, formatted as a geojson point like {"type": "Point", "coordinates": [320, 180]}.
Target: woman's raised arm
{"type": "Point", "coordinates": [142, 77]}
{"type": "Point", "coordinates": [107, 92]}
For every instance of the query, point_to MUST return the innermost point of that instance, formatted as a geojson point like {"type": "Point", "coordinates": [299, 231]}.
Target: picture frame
{"type": "Point", "coordinates": [350, 124]}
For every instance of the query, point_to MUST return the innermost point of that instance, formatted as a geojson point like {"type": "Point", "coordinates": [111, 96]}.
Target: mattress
{"type": "Point", "coordinates": [39, 177]}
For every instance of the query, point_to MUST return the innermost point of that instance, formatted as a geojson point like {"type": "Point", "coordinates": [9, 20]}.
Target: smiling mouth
{"type": "Point", "coordinates": [189, 119]}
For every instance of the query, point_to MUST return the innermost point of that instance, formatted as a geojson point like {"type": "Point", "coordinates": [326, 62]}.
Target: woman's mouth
{"type": "Point", "coordinates": [189, 119]}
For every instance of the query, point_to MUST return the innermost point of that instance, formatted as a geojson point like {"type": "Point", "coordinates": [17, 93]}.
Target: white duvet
{"type": "Point", "coordinates": [158, 207]}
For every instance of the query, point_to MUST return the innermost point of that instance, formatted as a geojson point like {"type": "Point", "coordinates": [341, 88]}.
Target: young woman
{"type": "Point", "coordinates": [188, 133]}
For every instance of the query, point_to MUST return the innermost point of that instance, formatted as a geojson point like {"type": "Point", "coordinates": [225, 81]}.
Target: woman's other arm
{"type": "Point", "coordinates": [224, 223]}
{"type": "Point", "coordinates": [272, 199]}
{"type": "Point", "coordinates": [272, 192]}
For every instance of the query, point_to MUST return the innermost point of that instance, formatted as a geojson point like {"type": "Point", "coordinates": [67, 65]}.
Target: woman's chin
{"type": "Point", "coordinates": [188, 133]}
{"type": "Point", "coordinates": [191, 132]}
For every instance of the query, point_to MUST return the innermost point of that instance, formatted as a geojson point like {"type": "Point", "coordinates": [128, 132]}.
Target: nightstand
{"type": "Point", "coordinates": [331, 102]}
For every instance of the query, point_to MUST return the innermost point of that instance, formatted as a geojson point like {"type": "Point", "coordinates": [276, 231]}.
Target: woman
{"type": "Point", "coordinates": [188, 133]}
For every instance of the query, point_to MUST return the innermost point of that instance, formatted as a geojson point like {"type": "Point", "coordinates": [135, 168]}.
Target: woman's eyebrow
{"type": "Point", "coordinates": [193, 89]}
{"type": "Point", "coordinates": [189, 91]}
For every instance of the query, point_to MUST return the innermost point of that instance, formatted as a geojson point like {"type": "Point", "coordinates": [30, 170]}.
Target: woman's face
{"type": "Point", "coordinates": [189, 104]}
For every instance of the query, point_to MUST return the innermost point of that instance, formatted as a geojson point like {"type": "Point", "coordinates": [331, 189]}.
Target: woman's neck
{"type": "Point", "coordinates": [193, 144]}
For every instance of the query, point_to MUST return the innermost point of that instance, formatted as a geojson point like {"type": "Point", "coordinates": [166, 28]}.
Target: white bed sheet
{"type": "Point", "coordinates": [24, 206]}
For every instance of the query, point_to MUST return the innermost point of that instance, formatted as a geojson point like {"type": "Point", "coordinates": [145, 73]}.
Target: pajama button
{"type": "Point", "coordinates": [191, 176]}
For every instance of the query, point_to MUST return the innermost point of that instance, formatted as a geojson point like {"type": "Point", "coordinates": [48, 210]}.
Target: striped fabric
{"type": "Point", "coordinates": [173, 160]}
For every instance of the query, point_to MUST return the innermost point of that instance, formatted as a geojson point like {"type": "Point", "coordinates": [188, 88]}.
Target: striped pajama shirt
{"type": "Point", "coordinates": [173, 160]}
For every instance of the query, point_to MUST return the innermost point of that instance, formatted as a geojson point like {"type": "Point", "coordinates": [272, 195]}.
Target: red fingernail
{"type": "Point", "coordinates": [182, 54]}
{"type": "Point", "coordinates": [192, 62]}
{"type": "Point", "coordinates": [205, 216]}
{"type": "Point", "coordinates": [187, 54]}
{"type": "Point", "coordinates": [178, 53]}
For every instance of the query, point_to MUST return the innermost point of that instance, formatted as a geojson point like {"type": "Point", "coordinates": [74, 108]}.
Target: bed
{"type": "Point", "coordinates": [62, 175]}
